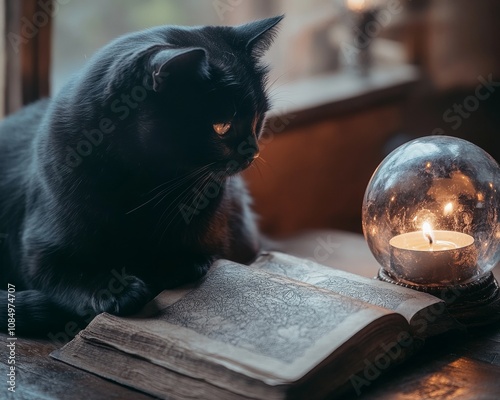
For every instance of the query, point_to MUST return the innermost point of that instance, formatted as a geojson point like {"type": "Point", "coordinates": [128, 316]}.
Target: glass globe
{"type": "Point", "coordinates": [431, 212]}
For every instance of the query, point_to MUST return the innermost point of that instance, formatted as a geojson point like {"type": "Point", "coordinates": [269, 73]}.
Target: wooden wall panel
{"type": "Point", "coordinates": [315, 175]}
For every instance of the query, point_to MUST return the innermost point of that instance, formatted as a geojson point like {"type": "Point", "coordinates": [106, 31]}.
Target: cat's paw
{"type": "Point", "coordinates": [125, 298]}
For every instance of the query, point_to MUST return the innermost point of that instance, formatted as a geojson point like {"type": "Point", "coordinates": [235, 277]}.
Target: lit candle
{"type": "Point", "coordinates": [433, 258]}
{"type": "Point", "coordinates": [356, 5]}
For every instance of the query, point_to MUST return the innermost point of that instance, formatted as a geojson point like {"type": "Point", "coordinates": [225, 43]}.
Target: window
{"type": "Point", "coordinates": [82, 27]}
{"type": "Point", "coordinates": [308, 43]}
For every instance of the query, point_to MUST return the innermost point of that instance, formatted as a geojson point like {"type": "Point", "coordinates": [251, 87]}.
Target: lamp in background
{"type": "Point", "coordinates": [364, 14]}
{"type": "Point", "coordinates": [431, 217]}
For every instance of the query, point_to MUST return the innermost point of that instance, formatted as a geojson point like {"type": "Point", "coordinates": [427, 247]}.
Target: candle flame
{"type": "Point", "coordinates": [448, 208]}
{"type": "Point", "coordinates": [356, 5]}
{"type": "Point", "coordinates": [428, 232]}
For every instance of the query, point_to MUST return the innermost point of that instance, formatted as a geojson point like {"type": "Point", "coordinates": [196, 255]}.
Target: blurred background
{"type": "Point", "coordinates": [351, 80]}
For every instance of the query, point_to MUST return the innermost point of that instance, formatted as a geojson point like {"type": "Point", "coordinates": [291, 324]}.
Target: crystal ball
{"type": "Point", "coordinates": [431, 212]}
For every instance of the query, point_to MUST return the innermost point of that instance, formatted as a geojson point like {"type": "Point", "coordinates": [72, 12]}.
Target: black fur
{"type": "Point", "coordinates": [119, 187]}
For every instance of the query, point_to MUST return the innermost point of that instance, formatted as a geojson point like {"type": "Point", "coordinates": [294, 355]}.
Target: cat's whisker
{"type": "Point", "coordinates": [256, 166]}
{"type": "Point", "coordinates": [166, 191]}
{"type": "Point", "coordinates": [271, 85]}
{"type": "Point", "coordinates": [164, 184]}
{"type": "Point", "coordinates": [260, 162]}
{"type": "Point", "coordinates": [280, 98]}
{"type": "Point", "coordinates": [274, 86]}
{"type": "Point", "coordinates": [182, 177]}
{"type": "Point", "coordinates": [171, 190]}
{"type": "Point", "coordinates": [182, 197]}
{"type": "Point", "coordinates": [263, 161]}
{"type": "Point", "coordinates": [163, 192]}
{"type": "Point", "coordinates": [182, 194]}
{"type": "Point", "coordinates": [143, 204]}
{"type": "Point", "coordinates": [192, 195]}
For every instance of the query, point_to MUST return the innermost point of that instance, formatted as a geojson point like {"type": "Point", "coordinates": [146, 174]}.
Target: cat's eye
{"type": "Point", "coordinates": [222, 128]}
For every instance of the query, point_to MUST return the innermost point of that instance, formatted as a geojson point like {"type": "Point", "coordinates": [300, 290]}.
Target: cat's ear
{"type": "Point", "coordinates": [172, 62]}
{"type": "Point", "coordinates": [257, 36]}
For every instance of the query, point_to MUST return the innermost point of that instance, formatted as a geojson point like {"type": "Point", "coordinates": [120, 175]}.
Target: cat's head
{"type": "Point", "coordinates": [181, 98]}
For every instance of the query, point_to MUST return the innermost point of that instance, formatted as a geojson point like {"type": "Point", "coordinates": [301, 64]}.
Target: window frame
{"type": "Point", "coordinates": [27, 50]}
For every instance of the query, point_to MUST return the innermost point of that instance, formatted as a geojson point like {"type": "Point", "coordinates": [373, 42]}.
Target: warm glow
{"type": "Point", "coordinates": [356, 5]}
{"type": "Point", "coordinates": [428, 232]}
{"type": "Point", "coordinates": [448, 208]}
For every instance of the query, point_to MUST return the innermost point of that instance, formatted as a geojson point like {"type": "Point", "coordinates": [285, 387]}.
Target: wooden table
{"type": "Point", "coordinates": [461, 367]}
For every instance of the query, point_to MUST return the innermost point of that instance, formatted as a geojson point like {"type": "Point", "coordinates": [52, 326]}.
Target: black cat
{"type": "Point", "coordinates": [126, 182]}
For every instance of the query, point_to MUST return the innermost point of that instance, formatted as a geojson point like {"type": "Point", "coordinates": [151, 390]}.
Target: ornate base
{"type": "Point", "coordinates": [472, 304]}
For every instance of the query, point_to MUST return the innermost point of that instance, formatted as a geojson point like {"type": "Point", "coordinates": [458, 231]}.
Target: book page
{"type": "Point", "coordinates": [404, 301]}
{"type": "Point", "coordinates": [262, 325]}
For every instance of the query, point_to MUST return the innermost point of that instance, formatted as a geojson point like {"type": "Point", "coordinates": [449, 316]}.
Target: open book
{"type": "Point", "coordinates": [282, 328]}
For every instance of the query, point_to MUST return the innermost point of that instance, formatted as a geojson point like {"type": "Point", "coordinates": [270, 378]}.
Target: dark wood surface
{"type": "Point", "coordinates": [40, 377]}
{"type": "Point", "coordinates": [458, 366]}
